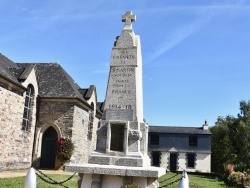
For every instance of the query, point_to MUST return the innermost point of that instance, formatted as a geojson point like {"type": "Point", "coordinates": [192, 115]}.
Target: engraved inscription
{"type": "Point", "coordinates": [127, 162]}
{"type": "Point", "coordinates": [124, 56]}
{"type": "Point", "coordinates": [115, 91]}
{"type": "Point", "coordinates": [121, 84]}
{"type": "Point", "coordinates": [121, 87]}
{"type": "Point", "coordinates": [99, 160]}
{"type": "Point", "coordinates": [123, 72]}
{"type": "Point", "coordinates": [120, 106]}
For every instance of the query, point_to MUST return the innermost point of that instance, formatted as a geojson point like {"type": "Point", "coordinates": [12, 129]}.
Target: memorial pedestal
{"type": "Point", "coordinates": [112, 176]}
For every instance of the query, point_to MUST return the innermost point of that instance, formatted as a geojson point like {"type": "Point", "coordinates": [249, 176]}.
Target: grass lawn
{"type": "Point", "coordinates": [18, 182]}
{"type": "Point", "coordinates": [195, 181]}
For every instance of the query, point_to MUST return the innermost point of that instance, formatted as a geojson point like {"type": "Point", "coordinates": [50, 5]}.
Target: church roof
{"type": "Point", "coordinates": [87, 93]}
{"type": "Point", "coordinates": [100, 106]}
{"type": "Point", "coordinates": [53, 81]}
{"type": "Point", "coordinates": [178, 130]}
{"type": "Point", "coordinates": [6, 66]}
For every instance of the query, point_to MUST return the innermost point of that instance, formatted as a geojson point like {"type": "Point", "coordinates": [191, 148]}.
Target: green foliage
{"type": "Point", "coordinates": [64, 149]}
{"type": "Point", "coordinates": [231, 141]}
{"type": "Point", "coordinates": [222, 149]}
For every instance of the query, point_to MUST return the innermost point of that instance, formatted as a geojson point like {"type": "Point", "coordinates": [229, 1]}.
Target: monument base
{"type": "Point", "coordinates": [119, 160]}
{"type": "Point", "coordinates": [112, 176]}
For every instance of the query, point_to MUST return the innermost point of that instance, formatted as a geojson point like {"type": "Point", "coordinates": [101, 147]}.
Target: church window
{"type": "Point", "coordinates": [193, 140]}
{"type": "Point", "coordinates": [190, 160]}
{"type": "Point", "coordinates": [27, 108]}
{"type": "Point", "coordinates": [154, 139]}
{"type": "Point", "coordinates": [90, 124]}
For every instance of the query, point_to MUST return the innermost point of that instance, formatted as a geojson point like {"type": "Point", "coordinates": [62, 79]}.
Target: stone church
{"type": "Point", "coordinates": [39, 103]}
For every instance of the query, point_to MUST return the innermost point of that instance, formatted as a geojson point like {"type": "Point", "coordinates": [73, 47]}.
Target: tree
{"type": "Point", "coordinates": [222, 149]}
{"type": "Point", "coordinates": [243, 145]}
{"type": "Point", "coordinates": [231, 140]}
{"type": "Point", "coordinates": [244, 110]}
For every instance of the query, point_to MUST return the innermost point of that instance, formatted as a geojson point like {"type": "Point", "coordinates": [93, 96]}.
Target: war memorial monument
{"type": "Point", "coordinates": [121, 155]}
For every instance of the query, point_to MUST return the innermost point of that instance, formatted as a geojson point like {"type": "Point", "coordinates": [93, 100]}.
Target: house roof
{"type": "Point", "coordinates": [177, 130]}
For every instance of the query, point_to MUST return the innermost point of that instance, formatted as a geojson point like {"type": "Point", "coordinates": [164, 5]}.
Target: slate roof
{"type": "Point", "coordinates": [53, 80]}
{"type": "Point", "coordinates": [178, 130]}
{"type": "Point", "coordinates": [87, 93]}
{"type": "Point", "coordinates": [100, 106]}
{"type": "Point", "coordinates": [7, 65]}
{"type": "Point", "coordinates": [83, 91]}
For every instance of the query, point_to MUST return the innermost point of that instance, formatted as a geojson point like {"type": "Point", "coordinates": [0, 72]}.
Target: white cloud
{"type": "Point", "coordinates": [206, 14]}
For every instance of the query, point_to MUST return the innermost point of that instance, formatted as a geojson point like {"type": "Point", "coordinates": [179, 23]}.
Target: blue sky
{"type": "Point", "coordinates": [196, 54]}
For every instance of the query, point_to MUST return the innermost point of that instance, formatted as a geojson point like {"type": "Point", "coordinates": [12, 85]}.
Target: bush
{"type": "Point", "coordinates": [64, 149]}
{"type": "Point", "coordinates": [235, 177]}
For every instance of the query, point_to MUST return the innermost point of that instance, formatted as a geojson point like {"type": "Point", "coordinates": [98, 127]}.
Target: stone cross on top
{"type": "Point", "coordinates": [128, 18]}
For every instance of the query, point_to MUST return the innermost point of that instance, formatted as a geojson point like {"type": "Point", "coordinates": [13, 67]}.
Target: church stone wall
{"type": "Point", "coordinates": [57, 113]}
{"type": "Point", "coordinates": [84, 144]}
{"type": "Point", "coordinates": [80, 135]}
{"type": "Point", "coordinates": [15, 144]}
{"type": "Point", "coordinates": [13, 141]}
{"type": "Point", "coordinates": [70, 121]}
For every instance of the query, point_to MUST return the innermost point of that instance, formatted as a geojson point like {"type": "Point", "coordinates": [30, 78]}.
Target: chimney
{"type": "Point", "coordinates": [205, 126]}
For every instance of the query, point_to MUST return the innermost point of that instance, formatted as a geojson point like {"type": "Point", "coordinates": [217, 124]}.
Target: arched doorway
{"type": "Point", "coordinates": [48, 152]}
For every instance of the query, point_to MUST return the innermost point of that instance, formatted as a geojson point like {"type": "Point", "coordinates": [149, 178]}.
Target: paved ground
{"type": "Point", "coordinates": [18, 173]}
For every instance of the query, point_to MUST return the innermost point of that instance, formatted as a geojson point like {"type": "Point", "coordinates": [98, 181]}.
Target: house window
{"type": "Point", "coordinates": [27, 109]}
{"type": "Point", "coordinates": [193, 140]}
{"type": "Point", "coordinates": [154, 139]}
{"type": "Point", "coordinates": [190, 160]}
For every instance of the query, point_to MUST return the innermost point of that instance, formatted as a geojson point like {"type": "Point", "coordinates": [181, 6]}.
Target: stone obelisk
{"type": "Point", "coordinates": [124, 89]}
{"type": "Point", "coordinates": [122, 136]}
{"type": "Point", "coordinates": [121, 155]}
